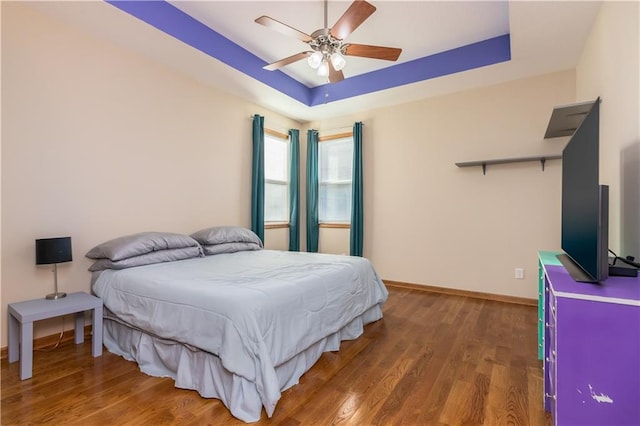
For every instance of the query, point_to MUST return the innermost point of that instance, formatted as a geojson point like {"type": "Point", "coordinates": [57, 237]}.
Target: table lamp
{"type": "Point", "coordinates": [53, 251]}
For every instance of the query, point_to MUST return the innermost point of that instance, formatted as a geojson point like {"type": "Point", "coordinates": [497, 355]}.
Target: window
{"type": "Point", "coordinates": [276, 177]}
{"type": "Point", "coordinates": [335, 161]}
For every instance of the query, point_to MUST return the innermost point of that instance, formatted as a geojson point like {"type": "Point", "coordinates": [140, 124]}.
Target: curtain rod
{"type": "Point", "coordinates": [338, 129]}
{"type": "Point", "coordinates": [334, 130]}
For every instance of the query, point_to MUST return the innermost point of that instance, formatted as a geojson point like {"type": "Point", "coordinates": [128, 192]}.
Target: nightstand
{"type": "Point", "coordinates": [23, 314]}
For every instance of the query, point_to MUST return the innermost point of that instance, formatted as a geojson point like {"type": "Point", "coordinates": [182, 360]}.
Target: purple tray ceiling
{"type": "Point", "coordinates": [171, 20]}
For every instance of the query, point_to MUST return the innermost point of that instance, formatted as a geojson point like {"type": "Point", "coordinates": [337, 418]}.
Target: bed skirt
{"type": "Point", "coordinates": [192, 368]}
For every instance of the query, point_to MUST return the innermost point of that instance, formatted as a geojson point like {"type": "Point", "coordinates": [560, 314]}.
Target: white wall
{"type": "Point", "coordinates": [334, 241]}
{"type": "Point", "coordinates": [610, 68]}
{"type": "Point", "coordinates": [430, 222]}
{"type": "Point", "coordinates": [99, 142]}
{"type": "Point", "coordinates": [276, 238]}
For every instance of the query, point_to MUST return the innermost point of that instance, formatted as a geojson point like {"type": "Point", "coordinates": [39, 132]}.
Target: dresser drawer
{"type": "Point", "coordinates": [550, 367]}
{"type": "Point", "coordinates": [550, 353]}
{"type": "Point", "coordinates": [551, 370]}
{"type": "Point", "coordinates": [552, 306]}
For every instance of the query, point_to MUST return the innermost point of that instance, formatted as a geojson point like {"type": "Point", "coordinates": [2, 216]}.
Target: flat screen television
{"type": "Point", "coordinates": [585, 204]}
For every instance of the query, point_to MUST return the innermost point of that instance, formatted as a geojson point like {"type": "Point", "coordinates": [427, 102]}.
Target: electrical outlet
{"type": "Point", "coordinates": [519, 273]}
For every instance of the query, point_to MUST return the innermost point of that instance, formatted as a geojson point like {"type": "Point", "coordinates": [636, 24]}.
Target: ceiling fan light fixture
{"type": "Point", "coordinates": [315, 59]}
{"type": "Point", "coordinates": [323, 69]}
{"type": "Point", "coordinates": [327, 43]}
{"type": "Point", "coordinates": [338, 61]}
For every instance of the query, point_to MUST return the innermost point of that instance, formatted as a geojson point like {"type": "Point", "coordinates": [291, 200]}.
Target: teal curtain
{"type": "Point", "coordinates": [294, 183]}
{"type": "Point", "coordinates": [357, 205]}
{"type": "Point", "coordinates": [312, 191]}
{"type": "Point", "coordinates": [257, 178]}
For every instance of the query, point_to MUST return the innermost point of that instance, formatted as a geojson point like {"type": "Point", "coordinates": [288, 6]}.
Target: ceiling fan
{"type": "Point", "coordinates": [327, 44]}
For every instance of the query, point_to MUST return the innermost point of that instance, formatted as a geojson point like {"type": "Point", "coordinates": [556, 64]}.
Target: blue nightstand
{"type": "Point", "coordinates": [23, 314]}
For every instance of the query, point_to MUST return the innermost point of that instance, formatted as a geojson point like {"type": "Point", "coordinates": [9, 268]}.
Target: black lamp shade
{"type": "Point", "coordinates": [53, 250]}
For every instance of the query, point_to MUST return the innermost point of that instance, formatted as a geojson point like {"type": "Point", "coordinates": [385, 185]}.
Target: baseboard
{"type": "Point", "coordinates": [51, 340]}
{"type": "Point", "coordinates": [465, 293]}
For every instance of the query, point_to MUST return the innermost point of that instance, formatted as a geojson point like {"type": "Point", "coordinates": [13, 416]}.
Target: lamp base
{"type": "Point", "coordinates": [54, 296]}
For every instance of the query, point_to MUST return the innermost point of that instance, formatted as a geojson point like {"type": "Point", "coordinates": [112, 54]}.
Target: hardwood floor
{"type": "Point", "coordinates": [434, 359]}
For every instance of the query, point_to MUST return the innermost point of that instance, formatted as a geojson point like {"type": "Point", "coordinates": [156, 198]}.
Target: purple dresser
{"type": "Point", "coordinates": [591, 350]}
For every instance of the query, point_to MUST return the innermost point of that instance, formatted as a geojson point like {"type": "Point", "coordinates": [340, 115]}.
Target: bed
{"type": "Point", "coordinates": [240, 325]}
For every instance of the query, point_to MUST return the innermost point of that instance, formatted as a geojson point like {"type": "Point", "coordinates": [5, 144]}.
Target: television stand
{"type": "Point", "coordinates": [574, 270]}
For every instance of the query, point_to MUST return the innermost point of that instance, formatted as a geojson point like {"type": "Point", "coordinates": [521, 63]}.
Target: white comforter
{"type": "Point", "coordinates": [254, 310]}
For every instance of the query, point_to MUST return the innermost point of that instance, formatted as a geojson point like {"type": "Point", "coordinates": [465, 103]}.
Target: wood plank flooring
{"type": "Point", "coordinates": [434, 359]}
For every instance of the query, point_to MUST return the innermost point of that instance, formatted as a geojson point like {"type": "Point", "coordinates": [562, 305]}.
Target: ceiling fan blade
{"type": "Point", "coordinates": [375, 52]}
{"type": "Point", "coordinates": [334, 75]}
{"type": "Point", "coordinates": [286, 61]}
{"type": "Point", "coordinates": [355, 15]}
{"type": "Point", "coordinates": [283, 28]}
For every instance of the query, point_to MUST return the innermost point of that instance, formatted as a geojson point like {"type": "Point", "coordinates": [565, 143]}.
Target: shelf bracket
{"type": "Point", "coordinates": [542, 161]}
{"type": "Point", "coordinates": [484, 168]}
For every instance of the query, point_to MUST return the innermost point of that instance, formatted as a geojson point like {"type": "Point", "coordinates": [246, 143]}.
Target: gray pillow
{"type": "Point", "coordinates": [226, 234]}
{"type": "Point", "coordinates": [139, 244]}
{"type": "Point", "coordinates": [230, 248]}
{"type": "Point", "coordinates": [147, 259]}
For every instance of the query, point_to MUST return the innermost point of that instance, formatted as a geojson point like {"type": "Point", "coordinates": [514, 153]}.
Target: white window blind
{"type": "Point", "coordinates": [276, 179]}
{"type": "Point", "coordinates": [335, 162]}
